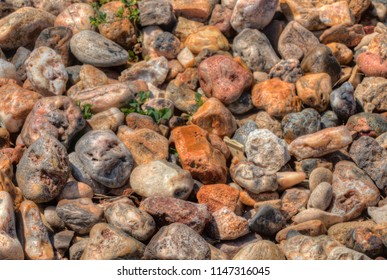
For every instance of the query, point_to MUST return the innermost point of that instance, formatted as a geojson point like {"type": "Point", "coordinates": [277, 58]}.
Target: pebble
{"type": "Point", "coordinates": [327, 218]}
{"type": "Point", "coordinates": [7, 70]}
{"type": "Point", "coordinates": [182, 96]}
{"type": "Point", "coordinates": [200, 10]}
{"type": "Point", "coordinates": [309, 228]}
{"type": "Point", "coordinates": [371, 93]}
{"type": "Point", "coordinates": [52, 218]}
{"type": "Point", "coordinates": [288, 70]}
{"type": "Point", "coordinates": [243, 105]}
{"type": "Point", "coordinates": [255, 50]}
{"type": "Point", "coordinates": [18, 60]}
{"type": "Point", "coordinates": [108, 243]}
{"type": "Point", "coordinates": [62, 241]}
{"type": "Point", "coordinates": [90, 47]}
{"type": "Point", "coordinates": [349, 35]}
{"type": "Point", "coordinates": [111, 119]}
{"type": "Point", "coordinates": [266, 150]}
{"type": "Point", "coordinates": [342, 53]}
{"type": "Point", "coordinates": [267, 221]}
{"type": "Point", "coordinates": [295, 125]}
{"type": "Point", "coordinates": [206, 37]}
{"type": "Point", "coordinates": [289, 179]}
{"type": "Point", "coordinates": [11, 248]}
{"type": "Point", "coordinates": [264, 121]}
{"type": "Point", "coordinates": [168, 210]}
{"type": "Point", "coordinates": [131, 220]}
{"type": "Point", "coordinates": [364, 241]}
{"type": "Point", "coordinates": [177, 242]}
{"type": "Point", "coordinates": [221, 19]}
{"type": "Point", "coordinates": [340, 231]}
{"type": "Point", "coordinates": [167, 180]}
{"type": "Point", "coordinates": [321, 196]}
{"type": "Point", "coordinates": [343, 102]}
{"type": "Point", "coordinates": [76, 17]}
{"type": "Point", "coordinates": [167, 45]}
{"type": "Point", "coordinates": [217, 196]}
{"type": "Point", "coordinates": [243, 132]}
{"type": "Point", "coordinates": [260, 250]}
{"type": "Point", "coordinates": [378, 214]}
{"type": "Point", "coordinates": [319, 175]}
{"type": "Point", "coordinates": [329, 119]}
{"type": "Point", "coordinates": [367, 124]}
{"type": "Point", "coordinates": [80, 214]}
{"type": "Point", "coordinates": [156, 13]}
{"type": "Point", "coordinates": [294, 200]}
{"type": "Point", "coordinates": [108, 164]}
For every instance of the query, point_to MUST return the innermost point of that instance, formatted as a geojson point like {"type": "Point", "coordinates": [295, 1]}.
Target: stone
{"type": "Point", "coordinates": [289, 179]}
{"type": "Point", "coordinates": [264, 121]}
{"type": "Point", "coordinates": [342, 53]}
{"type": "Point", "coordinates": [58, 39]}
{"type": "Point", "coordinates": [288, 70]}
{"type": "Point", "coordinates": [255, 50]}
{"type": "Point", "coordinates": [108, 243]}
{"type": "Point", "coordinates": [76, 17]}
{"type": "Point", "coordinates": [182, 96]}
{"type": "Point", "coordinates": [252, 14]}
{"type": "Point", "coordinates": [321, 196]}
{"type": "Point", "coordinates": [156, 13]}
{"type": "Point", "coordinates": [7, 70]}
{"type": "Point", "coordinates": [276, 97]}
{"type": "Point", "coordinates": [309, 228]}
{"type": "Point", "coordinates": [365, 241]}
{"type": "Point", "coordinates": [243, 132]}
{"type": "Point", "coordinates": [371, 158]}
{"type": "Point", "coordinates": [18, 60]}
{"type": "Point", "coordinates": [109, 164]}
{"type": "Point", "coordinates": [340, 231]}
{"type": "Point", "coordinates": [343, 102]}
{"type": "Point", "coordinates": [52, 218]}
{"type": "Point", "coordinates": [295, 125]}
{"type": "Point", "coordinates": [46, 72]}
{"type": "Point", "coordinates": [111, 119]}
{"type": "Point", "coordinates": [336, 13]}
{"type": "Point", "coordinates": [185, 27]}
{"type": "Point", "coordinates": [223, 78]}
{"type": "Point", "coordinates": [267, 221]}
{"type": "Point", "coordinates": [200, 10]}
{"type": "Point", "coordinates": [177, 242]}
{"type": "Point", "coordinates": [294, 200]}
{"type": "Point", "coordinates": [260, 250]}
{"type": "Point", "coordinates": [221, 19]}
{"type": "Point", "coordinates": [371, 93]}
{"type": "Point", "coordinates": [217, 254]}
{"type": "Point", "coordinates": [167, 45]}
{"type": "Point", "coordinates": [253, 178]}
{"type": "Point", "coordinates": [16, 25]}
{"type": "Point", "coordinates": [319, 175]}
{"type": "Point", "coordinates": [372, 64]}
{"type": "Point", "coordinates": [320, 59]}
{"type": "Point", "coordinates": [168, 210]}
{"type": "Point", "coordinates": [80, 214]}
{"type": "Point", "coordinates": [15, 104]}
{"type": "Point", "coordinates": [226, 225]}
{"type": "Point", "coordinates": [4, 138]}
{"type": "Point", "coordinates": [11, 248]}
{"type": "Point", "coordinates": [243, 105]}
{"type": "Point", "coordinates": [7, 185]}
{"type": "Point", "coordinates": [308, 165]}
{"type": "Point", "coordinates": [131, 220]}
{"type": "Point", "coordinates": [314, 90]}
{"type": "Point", "coordinates": [215, 118]}
{"type": "Point", "coordinates": [74, 190]}
{"type": "Point", "coordinates": [35, 239]}
{"type": "Point", "coordinates": [43, 170]}
{"type": "Point", "coordinates": [57, 116]}
{"type": "Point", "coordinates": [266, 150]}
{"type": "Point", "coordinates": [90, 47]}
{"type": "Point", "coordinates": [382, 140]}
{"type": "Point", "coordinates": [167, 179]}
{"type": "Point", "coordinates": [62, 241]}
{"type": "Point", "coordinates": [76, 250]}
{"type": "Point", "coordinates": [367, 124]}
{"type": "Point", "coordinates": [327, 218]}
{"type": "Point", "coordinates": [137, 121]}
{"type": "Point", "coordinates": [186, 58]}
{"type": "Point", "coordinates": [329, 119]}
{"type": "Point", "coordinates": [378, 214]}
{"type": "Point", "coordinates": [349, 35]}
{"type": "Point", "coordinates": [296, 41]}
{"type": "Point", "coordinates": [206, 37]}
{"type": "Point", "coordinates": [218, 196]}
{"type": "Point", "coordinates": [320, 143]}
{"type": "Point", "coordinates": [203, 161]}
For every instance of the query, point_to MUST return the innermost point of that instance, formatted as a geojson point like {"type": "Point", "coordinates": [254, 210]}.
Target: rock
{"type": "Point", "coordinates": [329, 119]}
{"type": "Point", "coordinates": [4, 138]}
{"type": "Point", "coordinates": [77, 249]}
{"type": "Point", "coordinates": [243, 132]}
{"type": "Point", "coordinates": [43, 170]}
{"type": "Point", "coordinates": [221, 19]}
{"type": "Point", "coordinates": [168, 210]}
{"type": "Point", "coordinates": [260, 250]}
{"type": "Point", "coordinates": [296, 41]}
{"type": "Point", "coordinates": [15, 104]}
{"type": "Point", "coordinates": [336, 13]}
{"type": "Point", "coordinates": [223, 78]}
{"type": "Point", "coordinates": [109, 243]}
{"type": "Point", "coordinates": [372, 94]}
{"type": "Point", "coordinates": [288, 70]}
{"type": "Point", "coordinates": [131, 220]}
{"type": "Point", "coordinates": [309, 228]}
{"type": "Point", "coordinates": [18, 60]}
{"type": "Point", "coordinates": [217, 254]}
{"type": "Point", "coordinates": [62, 241]}
{"type": "Point", "coordinates": [321, 196]}
{"type": "Point", "coordinates": [58, 39]}
{"type": "Point", "coordinates": [186, 27]}
{"type": "Point", "coordinates": [52, 218]}
{"type": "Point", "coordinates": [207, 37]}
{"type": "Point", "coordinates": [16, 25]}
{"type": "Point", "coordinates": [289, 179]}
{"type": "Point", "coordinates": [378, 214]}
{"type": "Point", "coordinates": [109, 164]}
{"type": "Point", "coordinates": [372, 64]}
{"type": "Point", "coordinates": [255, 50]}
{"type": "Point", "coordinates": [137, 121]}
{"type": "Point", "coordinates": [74, 190]}
{"type": "Point", "coordinates": [340, 231]}
{"type": "Point", "coordinates": [320, 143]}
{"type": "Point", "coordinates": [252, 14]}
{"type": "Point", "coordinates": [253, 178]}
{"type": "Point", "coordinates": [318, 176]}
{"type": "Point", "coordinates": [57, 116]}
{"type": "Point", "coordinates": [11, 248]}
{"type": "Point", "coordinates": [76, 17]}
{"type": "Point", "coordinates": [321, 60]}
{"type": "Point", "coordinates": [156, 13]}
{"type": "Point", "coordinates": [343, 102]}
{"type": "Point", "coordinates": [226, 225]}
{"type": "Point", "coordinates": [167, 45]}
{"type": "Point", "coordinates": [267, 221]}
{"type": "Point", "coordinates": [218, 196]}
{"type": "Point", "coordinates": [90, 47]}
{"type": "Point", "coordinates": [308, 165]}
{"type": "Point", "coordinates": [342, 53]}
{"type": "Point", "coordinates": [276, 97]}
{"type": "Point", "coordinates": [314, 90]}
{"type": "Point", "coordinates": [7, 70]}
{"type": "Point", "coordinates": [182, 96]}
{"type": "Point", "coordinates": [382, 140]}
{"type": "Point", "coordinates": [365, 241]}
{"type": "Point", "coordinates": [109, 119]}
{"type": "Point", "coordinates": [46, 72]}
{"type": "Point", "coordinates": [295, 125]}
{"type": "Point", "coordinates": [266, 150]}
{"type": "Point", "coordinates": [215, 118]}
{"type": "Point", "coordinates": [264, 121]}
{"type": "Point", "coordinates": [242, 105]}
{"type": "Point", "coordinates": [145, 145]}
{"type": "Point", "coordinates": [349, 35]}
{"type": "Point", "coordinates": [177, 242]}
{"type": "Point", "coordinates": [367, 124]}
{"type": "Point", "coordinates": [294, 200]}
{"type": "Point", "coordinates": [37, 245]}
{"type": "Point", "coordinates": [79, 214]}
{"type": "Point", "coordinates": [200, 10]}
{"type": "Point", "coordinates": [167, 180]}
{"type": "Point", "coordinates": [7, 185]}
{"type": "Point", "coordinates": [327, 218]}
{"type": "Point", "coordinates": [197, 156]}
{"type": "Point", "coordinates": [185, 58]}
{"type": "Point", "coordinates": [371, 158]}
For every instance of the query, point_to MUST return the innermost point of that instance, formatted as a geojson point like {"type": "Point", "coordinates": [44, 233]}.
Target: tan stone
{"type": "Point", "coordinates": [310, 228]}
{"type": "Point", "coordinates": [186, 27]}
{"type": "Point", "coordinates": [207, 37]}
{"type": "Point", "coordinates": [76, 17]}
{"type": "Point", "coordinates": [287, 180]}
{"type": "Point", "coordinates": [199, 9]}
{"type": "Point", "coordinates": [342, 53]}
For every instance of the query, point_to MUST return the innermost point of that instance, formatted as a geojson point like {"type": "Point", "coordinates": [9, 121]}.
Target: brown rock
{"type": "Point", "coordinates": [264, 121]}
{"type": "Point", "coordinates": [76, 17]}
{"type": "Point", "coordinates": [260, 250]}
{"type": "Point", "coordinates": [90, 77]}
{"type": "Point", "coordinates": [318, 176]}
{"type": "Point", "coordinates": [293, 200]}
{"type": "Point", "coordinates": [289, 179]}
{"type": "Point", "coordinates": [6, 185]}
{"type": "Point", "coordinates": [372, 64]}
{"type": "Point", "coordinates": [342, 53]}
{"type": "Point", "coordinates": [218, 196]}
{"type": "Point", "coordinates": [327, 218]}
{"type": "Point", "coordinates": [109, 119]}
{"type": "Point", "coordinates": [74, 190]}
{"type": "Point", "coordinates": [167, 45]}
{"type": "Point", "coordinates": [372, 94]}
{"type": "Point", "coordinates": [186, 27]}
{"type": "Point", "coordinates": [207, 37]}
{"type": "Point", "coordinates": [344, 34]}
{"type": "Point", "coordinates": [4, 138]}
{"type": "Point", "coordinates": [250, 199]}
{"type": "Point", "coordinates": [137, 121]}
{"type": "Point", "coordinates": [193, 10]}
{"type": "Point", "coordinates": [310, 228]}
{"type": "Point", "coordinates": [340, 231]}
{"type": "Point", "coordinates": [367, 124]}
{"type": "Point", "coordinates": [221, 19]}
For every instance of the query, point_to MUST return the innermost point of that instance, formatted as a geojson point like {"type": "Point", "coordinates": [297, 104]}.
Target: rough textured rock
{"type": "Point", "coordinates": [260, 250]}
{"type": "Point", "coordinates": [295, 125]}
{"type": "Point", "coordinates": [349, 35]}
{"type": "Point", "coordinates": [267, 221]}
{"type": "Point", "coordinates": [343, 102]}
{"type": "Point", "coordinates": [243, 131]}
{"type": "Point", "coordinates": [218, 196]}
{"type": "Point", "coordinates": [264, 121]}
{"type": "Point", "coordinates": [18, 60]}
{"type": "Point", "coordinates": [288, 70]}
{"type": "Point", "coordinates": [221, 19]}
{"type": "Point", "coordinates": [156, 13]}
{"type": "Point", "coordinates": [372, 94]}
{"type": "Point", "coordinates": [342, 53]}
{"type": "Point", "coordinates": [294, 200]}
{"type": "Point", "coordinates": [367, 124]}
{"type": "Point", "coordinates": [340, 231]}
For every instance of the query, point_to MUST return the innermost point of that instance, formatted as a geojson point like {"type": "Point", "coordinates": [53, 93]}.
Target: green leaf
{"type": "Point", "coordinates": [85, 109]}
{"type": "Point", "coordinates": [198, 99]}
{"type": "Point", "coordinates": [120, 12]}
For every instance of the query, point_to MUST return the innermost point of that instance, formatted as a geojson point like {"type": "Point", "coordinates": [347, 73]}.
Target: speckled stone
{"type": "Point", "coordinates": [260, 250]}
{"type": "Point", "coordinates": [18, 60]}
{"type": "Point", "coordinates": [349, 35]}
{"type": "Point", "coordinates": [243, 131]}
{"type": "Point", "coordinates": [363, 240]}
{"type": "Point", "coordinates": [109, 119]}
{"type": "Point", "coordinates": [343, 101]}
{"type": "Point", "coordinates": [288, 70]}
{"type": "Point", "coordinates": [310, 228]}
{"type": "Point", "coordinates": [7, 185]}
{"type": "Point", "coordinates": [372, 94]}
{"type": "Point", "coordinates": [329, 119]}
{"type": "Point", "coordinates": [367, 124]}
{"type": "Point", "coordinates": [217, 196]}
{"type": "Point", "coordinates": [294, 200]}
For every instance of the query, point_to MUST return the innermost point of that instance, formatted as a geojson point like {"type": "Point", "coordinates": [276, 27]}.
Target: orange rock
{"type": "Point", "coordinates": [200, 9]}
{"type": "Point", "coordinates": [276, 97]}
{"type": "Point", "coordinates": [196, 154]}
{"type": "Point", "coordinates": [218, 196]}
{"type": "Point", "coordinates": [137, 121]}
{"type": "Point", "coordinates": [207, 37]}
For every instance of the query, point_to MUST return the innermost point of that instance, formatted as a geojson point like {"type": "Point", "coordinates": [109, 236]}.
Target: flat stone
{"type": "Point", "coordinates": [260, 250]}
{"type": "Point", "coordinates": [305, 122]}
{"type": "Point", "coordinates": [76, 17]}
{"type": "Point", "coordinates": [367, 124]}
{"type": "Point", "coordinates": [371, 93]}
{"type": "Point", "coordinates": [218, 196]}
{"type": "Point", "coordinates": [321, 196]}
{"type": "Point", "coordinates": [111, 119]}
{"type": "Point", "coordinates": [349, 35]}
{"type": "Point", "coordinates": [309, 228]}
{"type": "Point", "coordinates": [343, 102]}
{"type": "Point", "coordinates": [267, 221]}
{"type": "Point", "coordinates": [206, 37]}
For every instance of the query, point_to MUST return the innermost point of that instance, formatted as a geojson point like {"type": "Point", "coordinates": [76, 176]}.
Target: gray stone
{"type": "Point", "coordinates": [243, 132]}
{"type": "Point", "coordinates": [372, 94]}
{"type": "Point", "coordinates": [378, 214]}
{"type": "Point", "coordinates": [305, 122]}
{"type": "Point", "coordinates": [242, 105]}
{"type": "Point", "coordinates": [18, 60]}
{"type": "Point", "coordinates": [53, 219]}
{"type": "Point", "coordinates": [267, 221]}
{"type": "Point", "coordinates": [343, 102]}
{"type": "Point", "coordinates": [329, 119]}
{"type": "Point", "coordinates": [321, 196]}
{"type": "Point", "coordinates": [318, 176]}
{"type": "Point", "coordinates": [288, 70]}
{"type": "Point", "coordinates": [62, 241]}
{"type": "Point", "coordinates": [156, 13]}
{"type": "Point", "coordinates": [7, 70]}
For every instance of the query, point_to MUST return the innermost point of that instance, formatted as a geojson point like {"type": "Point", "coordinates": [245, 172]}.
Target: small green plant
{"type": "Point", "coordinates": [198, 99]}
{"type": "Point", "coordinates": [85, 109]}
{"type": "Point", "coordinates": [98, 19]}
{"type": "Point", "coordinates": [133, 57]}
{"type": "Point", "coordinates": [120, 13]}
{"type": "Point", "coordinates": [134, 14]}
{"type": "Point", "coordinates": [173, 151]}
{"type": "Point", "coordinates": [159, 115]}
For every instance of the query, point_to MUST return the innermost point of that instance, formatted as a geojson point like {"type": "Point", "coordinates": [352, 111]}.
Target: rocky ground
{"type": "Point", "coordinates": [180, 129]}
